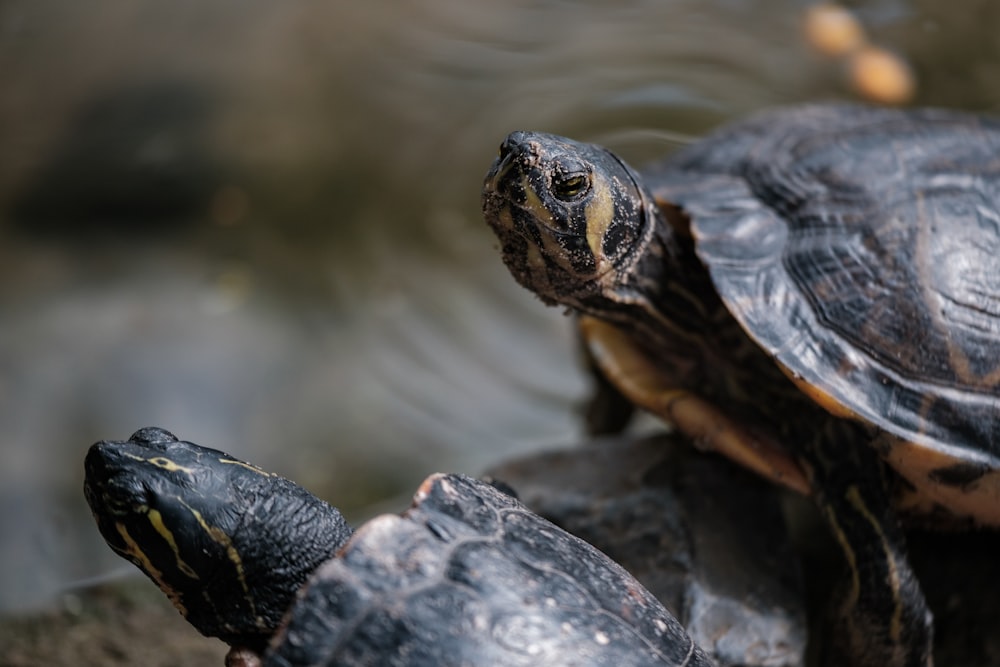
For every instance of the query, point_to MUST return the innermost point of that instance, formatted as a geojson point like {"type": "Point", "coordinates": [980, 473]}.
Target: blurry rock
{"type": "Point", "coordinates": [873, 72]}
{"type": "Point", "coordinates": [832, 30]}
{"type": "Point", "coordinates": [135, 159]}
{"type": "Point", "coordinates": [881, 76]}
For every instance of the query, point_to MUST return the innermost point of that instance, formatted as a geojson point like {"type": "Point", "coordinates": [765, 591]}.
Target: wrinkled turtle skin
{"type": "Point", "coordinates": [812, 292]}
{"type": "Point", "coordinates": [466, 576]}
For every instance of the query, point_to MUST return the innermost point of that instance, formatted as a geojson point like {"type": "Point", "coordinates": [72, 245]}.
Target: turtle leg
{"type": "Point", "coordinates": [607, 411]}
{"type": "Point", "coordinates": [880, 616]}
{"type": "Point", "coordinates": [628, 370]}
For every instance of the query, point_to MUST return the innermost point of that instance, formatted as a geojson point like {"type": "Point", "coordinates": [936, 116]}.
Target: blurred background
{"type": "Point", "coordinates": [257, 225]}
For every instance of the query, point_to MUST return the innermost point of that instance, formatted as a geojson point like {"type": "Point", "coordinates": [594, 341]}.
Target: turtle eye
{"type": "Point", "coordinates": [570, 186]}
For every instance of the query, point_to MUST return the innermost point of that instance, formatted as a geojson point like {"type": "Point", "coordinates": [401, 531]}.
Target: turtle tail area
{"type": "Point", "coordinates": [881, 618]}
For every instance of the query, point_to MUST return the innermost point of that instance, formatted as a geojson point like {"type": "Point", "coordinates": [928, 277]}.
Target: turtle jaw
{"type": "Point", "coordinates": [136, 514]}
{"type": "Point", "coordinates": [116, 498]}
{"type": "Point", "coordinates": [570, 217]}
{"type": "Point", "coordinates": [135, 490]}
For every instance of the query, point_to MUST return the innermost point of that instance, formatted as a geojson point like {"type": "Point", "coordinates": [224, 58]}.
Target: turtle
{"type": "Point", "coordinates": [812, 291]}
{"type": "Point", "coordinates": [466, 576]}
{"type": "Point", "coordinates": [674, 518]}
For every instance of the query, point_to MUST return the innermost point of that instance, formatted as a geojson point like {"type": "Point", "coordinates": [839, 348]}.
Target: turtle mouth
{"type": "Point", "coordinates": [506, 160]}
{"type": "Point", "coordinates": [108, 485]}
{"type": "Point", "coordinates": [506, 184]}
{"type": "Point", "coordinates": [118, 498]}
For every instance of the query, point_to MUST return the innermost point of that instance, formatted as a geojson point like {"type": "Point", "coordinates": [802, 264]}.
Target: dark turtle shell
{"type": "Point", "coordinates": [861, 248]}
{"type": "Point", "coordinates": [469, 576]}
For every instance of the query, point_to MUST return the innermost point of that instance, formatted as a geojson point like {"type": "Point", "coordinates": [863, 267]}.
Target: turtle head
{"type": "Point", "coordinates": [168, 506]}
{"type": "Point", "coordinates": [213, 532]}
{"type": "Point", "coordinates": [571, 217]}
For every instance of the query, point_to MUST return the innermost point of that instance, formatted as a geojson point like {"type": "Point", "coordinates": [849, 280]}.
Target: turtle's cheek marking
{"type": "Point", "coordinates": [542, 218]}
{"type": "Point", "coordinates": [112, 504]}
{"type": "Point", "coordinates": [168, 465]}
{"type": "Point", "coordinates": [220, 537]}
{"type": "Point", "coordinates": [600, 213]}
{"type": "Point", "coordinates": [535, 263]}
{"type": "Point", "coordinates": [164, 463]}
{"type": "Point", "coordinates": [156, 519]}
{"type": "Point", "coordinates": [131, 550]}
{"type": "Point", "coordinates": [534, 206]}
{"type": "Point", "coordinates": [597, 216]}
{"type": "Point", "coordinates": [160, 462]}
{"type": "Point", "coordinates": [134, 553]}
{"type": "Point", "coordinates": [248, 466]}
{"type": "Point", "coordinates": [531, 267]}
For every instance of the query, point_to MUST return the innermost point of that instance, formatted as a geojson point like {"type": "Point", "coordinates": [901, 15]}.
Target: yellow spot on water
{"type": "Point", "coordinates": [832, 30]}
{"type": "Point", "coordinates": [156, 519]}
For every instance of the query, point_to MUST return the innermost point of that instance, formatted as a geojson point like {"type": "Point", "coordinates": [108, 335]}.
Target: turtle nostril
{"type": "Point", "coordinates": [505, 149]}
{"type": "Point", "coordinates": [513, 144]}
